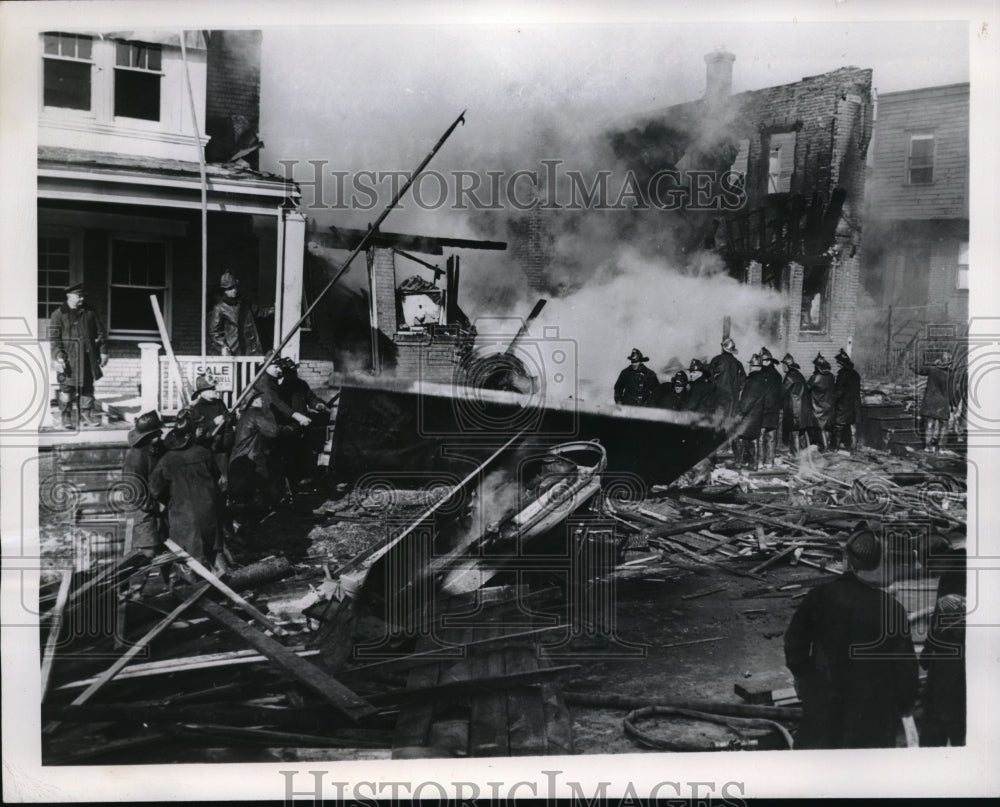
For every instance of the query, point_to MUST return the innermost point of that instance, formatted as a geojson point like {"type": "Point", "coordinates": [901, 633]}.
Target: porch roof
{"type": "Point", "coordinates": [72, 174]}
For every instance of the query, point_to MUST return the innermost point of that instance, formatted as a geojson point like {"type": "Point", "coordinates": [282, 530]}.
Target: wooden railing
{"type": "Point", "coordinates": [232, 375]}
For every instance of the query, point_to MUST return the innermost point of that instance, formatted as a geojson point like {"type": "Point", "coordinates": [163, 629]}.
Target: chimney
{"type": "Point", "coordinates": [718, 75]}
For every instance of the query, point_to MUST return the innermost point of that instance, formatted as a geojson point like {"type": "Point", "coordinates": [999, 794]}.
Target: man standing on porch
{"type": "Point", "coordinates": [79, 350]}
{"type": "Point", "coordinates": [232, 325]}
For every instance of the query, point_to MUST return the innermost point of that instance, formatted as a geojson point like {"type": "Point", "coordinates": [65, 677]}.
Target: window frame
{"type": "Point", "coordinates": [826, 307]}
{"type": "Point", "coordinates": [912, 138]}
{"type": "Point", "coordinates": [125, 334]}
{"type": "Point", "coordinates": [146, 71]}
{"type": "Point", "coordinates": [75, 236]}
{"type": "Point", "coordinates": [89, 112]}
{"type": "Point", "coordinates": [962, 269]}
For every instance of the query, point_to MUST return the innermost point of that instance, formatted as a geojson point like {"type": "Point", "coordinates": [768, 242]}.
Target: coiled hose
{"type": "Point", "coordinates": [734, 723]}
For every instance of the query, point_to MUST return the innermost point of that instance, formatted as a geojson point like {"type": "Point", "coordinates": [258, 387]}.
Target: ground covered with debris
{"type": "Point", "coordinates": [274, 663]}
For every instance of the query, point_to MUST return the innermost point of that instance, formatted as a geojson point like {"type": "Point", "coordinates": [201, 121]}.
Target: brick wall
{"type": "Point", "coordinates": [121, 377]}
{"type": "Point", "coordinates": [383, 284]}
{"type": "Point", "coordinates": [233, 92]}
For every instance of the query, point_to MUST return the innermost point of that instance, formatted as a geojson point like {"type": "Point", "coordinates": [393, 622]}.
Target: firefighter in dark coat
{"type": "Point", "coordinates": [849, 648]}
{"type": "Point", "coordinates": [772, 408]}
{"type": "Point", "coordinates": [821, 389]}
{"type": "Point", "coordinates": [701, 396]}
{"type": "Point", "coordinates": [672, 395]}
{"type": "Point", "coordinates": [636, 384]}
{"type": "Point", "coordinates": [797, 405]}
{"type": "Point", "coordinates": [303, 444]}
{"type": "Point", "coordinates": [750, 410]}
{"type": "Point", "coordinates": [144, 451]}
{"type": "Point", "coordinates": [935, 409]}
{"type": "Point", "coordinates": [728, 374]}
{"type": "Point", "coordinates": [943, 655]}
{"type": "Point", "coordinates": [232, 325]}
{"type": "Point", "coordinates": [79, 351]}
{"type": "Point", "coordinates": [186, 481]}
{"type": "Point", "coordinates": [847, 406]}
{"type": "Point", "coordinates": [250, 464]}
{"type": "Point", "coordinates": [212, 414]}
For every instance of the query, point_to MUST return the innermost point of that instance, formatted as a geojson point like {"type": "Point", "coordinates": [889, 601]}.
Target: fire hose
{"type": "Point", "coordinates": [734, 723]}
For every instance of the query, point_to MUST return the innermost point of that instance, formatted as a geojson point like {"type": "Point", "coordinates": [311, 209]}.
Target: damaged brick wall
{"type": "Point", "coordinates": [232, 114]}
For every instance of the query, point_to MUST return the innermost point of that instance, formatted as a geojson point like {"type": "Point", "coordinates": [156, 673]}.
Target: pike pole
{"type": "Point", "coordinates": [350, 258]}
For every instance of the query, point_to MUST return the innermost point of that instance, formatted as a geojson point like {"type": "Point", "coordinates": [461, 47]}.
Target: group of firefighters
{"type": "Point", "coordinates": [823, 409]}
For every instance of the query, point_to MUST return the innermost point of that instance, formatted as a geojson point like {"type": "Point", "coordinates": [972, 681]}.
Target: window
{"type": "Point", "coordinates": [137, 80]}
{"type": "Point", "coordinates": [815, 299]}
{"type": "Point", "coordinates": [741, 162]}
{"type": "Point", "coordinates": [66, 74]}
{"type": "Point", "coordinates": [138, 269]}
{"type": "Point", "coordinates": [920, 164]}
{"type": "Point", "coordinates": [962, 278]}
{"type": "Point", "coordinates": [780, 162]}
{"type": "Point", "coordinates": [55, 271]}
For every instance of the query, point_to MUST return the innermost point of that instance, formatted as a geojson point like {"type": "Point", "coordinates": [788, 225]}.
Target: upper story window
{"type": "Point", "coordinates": [962, 277]}
{"type": "Point", "coordinates": [920, 161]}
{"type": "Point", "coordinates": [138, 72]}
{"type": "Point", "coordinates": [67, 71]}
{"type": "Point", "coordinates": [780, 162]}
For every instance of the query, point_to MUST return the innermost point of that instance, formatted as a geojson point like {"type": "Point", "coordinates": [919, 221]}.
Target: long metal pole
{"type": "Point", "coordinates": [350, 258]}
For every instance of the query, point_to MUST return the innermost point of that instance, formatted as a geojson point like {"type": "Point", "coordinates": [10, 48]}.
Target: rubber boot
{"type": "Point", "coordinates": [824, 443]}
{"type": "Point", "coordinates": [87, 411]}
{"type": "Point", "coordinates": [770, 439]}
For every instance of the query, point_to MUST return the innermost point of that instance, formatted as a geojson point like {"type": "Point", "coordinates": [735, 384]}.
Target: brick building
{"type": "Point", "coordinates": [120, 193]}
{"type": "Point", "coordinates": [915, 261]}
{"type": "Point", "coordinates": [800, 149]}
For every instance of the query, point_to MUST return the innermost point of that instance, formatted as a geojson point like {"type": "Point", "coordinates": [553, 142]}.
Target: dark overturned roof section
{"type": "Point", "coordinates": [348, 238]}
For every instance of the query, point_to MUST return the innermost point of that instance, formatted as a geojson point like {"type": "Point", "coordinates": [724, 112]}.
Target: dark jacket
{"type": "Point", "coordinates": [847, 393]}
{"type": "Point", "coordinates": [772, 396]}
{"type": "Point", "coordinates": [636, 387]}
{"type": "Point", "coordinates": [137, 469]}
{"type": "Point", "coordinates": [666, 397]}
{"type": "Point", "coordinates": [297, 393]}
{"type": "Point", "coordinates": [232, 327]}
{"type": "Point", "coordinates": [185, 480]}
{"type": "Point", "coordinates": [797, 400]}
{"type": "Point", "coordinates": [254, 433]}
{"type": "Point", "coordinates": [77, 337]}
{"type": "Point", "coordinates": [701, 396]}
{"type": "Point", "coordinates": [821, 390]}
{"type": "Point", "coordinates": [729, 376]}
{"type": "Point", "coordinates": [849, 648]}
{"type": "Point", "coordinates": [938, 394]}
{"type": "Point", "coordinates": [750, 407]}
{"type": "Point", "coordinates": [208, 411]}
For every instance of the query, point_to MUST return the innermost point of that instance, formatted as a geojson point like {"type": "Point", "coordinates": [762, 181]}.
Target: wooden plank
{"type": "Point", "coordinates": [414, 722]}
{"type": "Point", "coordinates": [526, 728]}
{"type": "Point", "coordinates": [701, 559]}
{"type": "Point", "coordinates": [457, 688]}
{"type": "Point", "coordinates": [788, 550]}
{"type": "Point", "coordinates": [55, 629]}
{"type": "Point", "coordinates": [199, 569]}
{"type": "Point", "coordinates": [324, 685]}
{"type": "Point", "coordinates": [558, 724]}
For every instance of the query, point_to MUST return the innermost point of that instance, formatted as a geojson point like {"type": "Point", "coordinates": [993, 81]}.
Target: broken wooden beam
{"type": "Point", "coordinates": [324, 685]}
{"type": "Point", "coordinates": [753, 516]}
{"type": "Point", "coordinates": [474, 686]}
{"type": "Point", "coordinates": [48, 655]}
{"type": "Point", "coordinates": [771, 561]}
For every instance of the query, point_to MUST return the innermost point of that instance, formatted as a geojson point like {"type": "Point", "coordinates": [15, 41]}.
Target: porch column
{"type": "Point", "coordinates": [288, 303]}
{"type": "Point", "coordinates": [149, 376]}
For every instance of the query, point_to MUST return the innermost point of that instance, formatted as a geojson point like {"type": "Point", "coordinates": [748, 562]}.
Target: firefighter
{"type": "Point", "coordinates": [821, 390]}
{"type": "Point", "coordinates": [186, 481]}
{"type": "Point", "coordinates": [232, 324]}
{"type": "Point", "coordinates": [636, 384]}
{"type": "Point", "coordinates": [213, 414]}
{"type": "Point", "coordinates": [79, 351]}
{"type": "Point", "coordinates": [728, 374]}
{"type": "Point", "coordinates": [301, 446]}
{"type": "Point", "coordinates": [701, 389]}
{"type": "Point", "coordinates": [251, 487]}
{"type": "Point", "coordinates": [750, 409]}
{"type": "Point", "coordinates": [847, 406]}
{"type": "Point", "coordinates": [144, 450]}
{"type": "Point", "coordinates": [849, 648]}
{"type": "Point", "coordinates": [935, 409]}
{"type": "Point", "coordinates": [672, 395]}
{"type": "Point", "coordinates": [797, 405]}
{"type": "Point", "coordinates": [771, 407]}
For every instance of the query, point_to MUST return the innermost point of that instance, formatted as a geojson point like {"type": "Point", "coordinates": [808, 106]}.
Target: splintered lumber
{"type": "Point", "coordinates": [771, 561]}
{"type": "Point", "coordinates": [199, 569]}
{"type": "Point", "coordinates": [336, 638]}
{"type": "Point", "coordinates": [682, 526]}
{"type": "Point", "coordinates": [526, 730]}
{"type": "Point", "coordinates": [694, 641]}
{"type": "Point", "coordinates": [753, 516]}
{"type": "Point", "coordinates": [702, 559]}
{"type": "Point", "coordinates": [695, 595]}
{"type": "Point", "coordinates": [53, 639]}
{"type": "Point", "coordinates": [324, 685]}
{"type": "Point", "coordinates": [373, 739]}
{"type": "Point", "coordinates": [239, 714]}
{"type": "Point", "coordinates": [558, 724]}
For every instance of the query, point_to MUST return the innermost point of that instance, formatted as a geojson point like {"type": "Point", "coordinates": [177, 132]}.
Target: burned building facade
{"type": "Point", "coordinates": [797, 151]}
{"type": "Point", "coordinates": [915, 267]}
